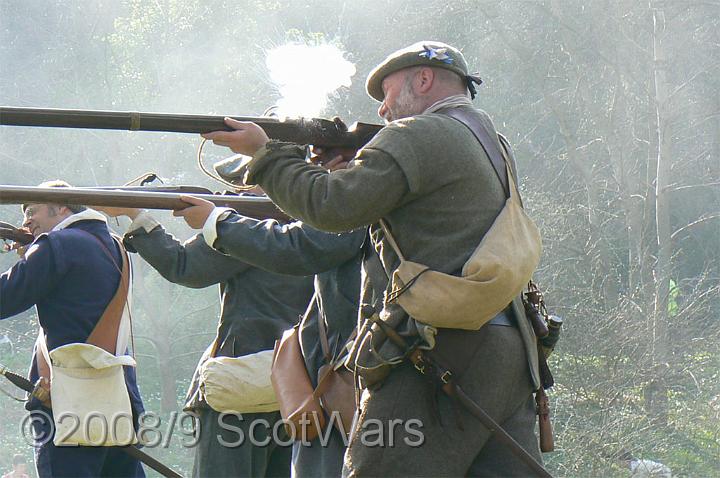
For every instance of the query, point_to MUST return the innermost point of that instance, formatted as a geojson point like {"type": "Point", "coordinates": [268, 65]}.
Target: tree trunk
{"type": "Point", "coordinates": [156, 326]}
{"type": "Point", "coordinates": [656, 392]}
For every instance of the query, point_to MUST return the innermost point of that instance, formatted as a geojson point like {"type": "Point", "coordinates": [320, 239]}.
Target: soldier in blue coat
{"type": "Point", "coordinates": [70, 279]}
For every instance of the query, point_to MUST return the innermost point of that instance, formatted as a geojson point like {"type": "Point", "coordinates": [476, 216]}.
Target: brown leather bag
{"type": "Point", "coordinates": [336, 387]}
{"type": "Point", "coordinates": [299, 405]}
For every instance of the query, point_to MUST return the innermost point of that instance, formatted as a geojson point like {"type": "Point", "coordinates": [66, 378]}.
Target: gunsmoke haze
{"type": "Point", "coordinates": [305, 76]}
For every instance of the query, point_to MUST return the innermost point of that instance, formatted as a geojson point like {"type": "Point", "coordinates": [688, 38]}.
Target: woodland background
{"type": "Point", "coordinates": [612, 107]}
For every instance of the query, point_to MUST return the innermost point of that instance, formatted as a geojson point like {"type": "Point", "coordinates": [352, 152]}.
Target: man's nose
{"type": "Point", "coordinates": [382, 111]}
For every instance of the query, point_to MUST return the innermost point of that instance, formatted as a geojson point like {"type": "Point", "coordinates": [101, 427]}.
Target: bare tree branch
{"type": "Point", "coordinates": [692, 224]}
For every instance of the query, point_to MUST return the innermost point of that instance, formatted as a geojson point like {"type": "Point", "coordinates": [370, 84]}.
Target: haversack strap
{"type": "Point", "coordinates": [493, 147]}
{"type": "Point", "coordinates": [105, 332]}
{"type": "Point", "coordinates": [324, 343]}
{"type": "Point", "coordinates": [391, 239]}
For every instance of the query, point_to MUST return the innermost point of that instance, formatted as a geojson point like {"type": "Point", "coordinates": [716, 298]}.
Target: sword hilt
{"type": "Point", "coordinates": [17, 380]}
{"type": "Point", "coordinates": [37, 390]}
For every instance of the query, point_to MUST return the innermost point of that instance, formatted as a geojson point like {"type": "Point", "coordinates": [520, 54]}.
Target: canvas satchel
{"type": "Point", "coordinates": [300, 408]}
{"type": "Point", "coordinates": [496, 272]}
{"type": "Point", "coordinates": [239, 384]}
{"type": "Point", "coordinates": [90, 401]}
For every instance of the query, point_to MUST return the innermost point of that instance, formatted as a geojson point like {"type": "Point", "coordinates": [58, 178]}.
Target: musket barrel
{"type": "Point", "coordinates": [96, 119]}
{"type": "Point", "coordinates": [257, 207]}
{"type": "Point", "coordinates": [320, 132]}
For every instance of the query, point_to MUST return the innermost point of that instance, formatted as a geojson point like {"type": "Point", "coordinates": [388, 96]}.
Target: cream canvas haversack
{"type": "Point", "coordinates": [90, 401]}
{"type": "Point", "coordinates": [239, 384]}
{"type": "Point", "coordinates": [496, 272]}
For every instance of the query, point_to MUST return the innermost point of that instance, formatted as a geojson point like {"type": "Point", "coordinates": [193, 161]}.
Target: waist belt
{"type": "Point", "coordinates": [505, 317]}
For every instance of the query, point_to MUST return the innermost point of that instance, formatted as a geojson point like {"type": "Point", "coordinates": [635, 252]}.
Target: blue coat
{"type": "Point", "coordinates": [70, 279]}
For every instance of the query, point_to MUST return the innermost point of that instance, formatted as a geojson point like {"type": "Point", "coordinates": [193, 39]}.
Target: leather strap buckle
{"type": "Point", "coordinates": [419, 364]}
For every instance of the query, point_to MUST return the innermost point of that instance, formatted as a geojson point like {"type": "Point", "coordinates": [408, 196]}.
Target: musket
{"type": "Point", "coordinates": [23, 237]}
{"type": "Point", "coordinates": [315, 131]}
{"type": "Point", "coordinates": [8, 232]}
{"type": "Point", "coordinates": [26, 385]}
{"type": "Point", "coordinates": [428, 365]}
{"type": "Point", "coordinates": [138, 197]}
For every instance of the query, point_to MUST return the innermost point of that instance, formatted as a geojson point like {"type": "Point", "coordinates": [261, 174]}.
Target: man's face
{"type": "Point", "coordinates": [400, 99]}
{"type": "Point", "coordinates": [41, 218]}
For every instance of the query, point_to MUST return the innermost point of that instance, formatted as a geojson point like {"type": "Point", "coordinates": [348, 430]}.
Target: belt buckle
{"type": "Point", "coordinates": [420, 365]}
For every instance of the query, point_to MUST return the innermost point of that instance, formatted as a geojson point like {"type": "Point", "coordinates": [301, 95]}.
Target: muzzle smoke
{"type": "Point", "coordinates": [306, 75]}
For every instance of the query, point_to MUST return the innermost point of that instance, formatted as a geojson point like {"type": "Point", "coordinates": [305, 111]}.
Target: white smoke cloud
{"type": "Point", "coordinates": [306, 75]}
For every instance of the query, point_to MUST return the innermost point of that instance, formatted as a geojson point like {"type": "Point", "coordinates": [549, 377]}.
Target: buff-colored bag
{"type": "Point", "coordinates": [239, 384]}
{"type": "Point", "coordinates": [90, 401]}
{"type": "Point", "coordinates": [496, 273]}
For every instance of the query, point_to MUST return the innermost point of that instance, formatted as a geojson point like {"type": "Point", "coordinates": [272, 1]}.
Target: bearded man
{"type": "Point", "coordinates": [430, 180]}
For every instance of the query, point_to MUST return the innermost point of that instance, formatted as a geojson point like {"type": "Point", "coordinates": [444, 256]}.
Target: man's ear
{"type": "Point", "coordinates": [424, 80]}
{"type": "Point", "coordinates": [64, 211]}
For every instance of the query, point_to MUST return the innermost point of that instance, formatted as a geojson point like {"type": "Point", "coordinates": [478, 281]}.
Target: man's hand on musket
{"type": "Point", "coordinates": [196, 213]}
{"type": "Point", "coordinates": [247, 137]}
{"type": "Point", "coordinates": [10, 239]}
{"type": "Point", "coordinates": [332, 159]}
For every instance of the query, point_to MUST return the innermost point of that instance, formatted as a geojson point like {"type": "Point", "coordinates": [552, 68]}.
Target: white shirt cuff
{"type": "Point", "coordinates": [143, 221]}
{"type": "Point", "coordinates": [209, 230]}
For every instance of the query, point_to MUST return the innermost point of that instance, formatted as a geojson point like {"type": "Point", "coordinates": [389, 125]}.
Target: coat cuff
{"type": "Point", "coordinates": [209, 230]}
{"type": "Point", "coordinates": [267, 154]}
{"type": "Point", "coordinates": [143, 221]}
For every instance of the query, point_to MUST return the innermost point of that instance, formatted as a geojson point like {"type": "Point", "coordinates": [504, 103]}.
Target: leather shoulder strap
{"type": "Point", "coordinates": [105, 333]}
{"type": "Point", "coordinates": [490, 145]}
{"type": "Point", "coordinates": [324, 343]}
{"type": "Point", "coordinates": [376, 274]}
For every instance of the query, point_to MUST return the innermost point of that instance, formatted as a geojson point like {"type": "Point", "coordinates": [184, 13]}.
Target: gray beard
{"type": "Point", "coordinates": [406, 105]}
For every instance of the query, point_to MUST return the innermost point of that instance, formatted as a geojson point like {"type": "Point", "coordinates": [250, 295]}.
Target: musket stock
{"type": "Point", "coordinates": [315, 131]}
{"type": "Point", "coordinates": [257, 207]}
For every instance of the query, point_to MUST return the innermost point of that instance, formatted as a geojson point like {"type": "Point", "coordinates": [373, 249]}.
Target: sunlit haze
{"type": "Point", "coordinates": [306, 75]}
